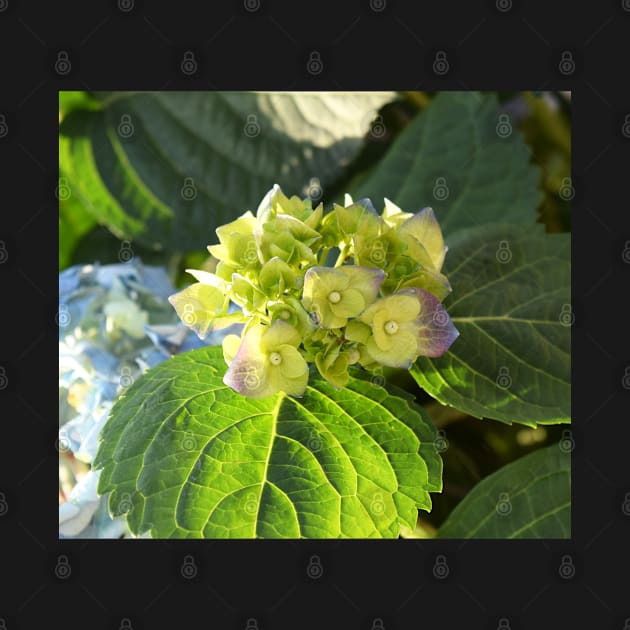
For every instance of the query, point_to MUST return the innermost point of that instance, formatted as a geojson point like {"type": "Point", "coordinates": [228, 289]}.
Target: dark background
{"type": "Point", "coordinates": [385, 44]}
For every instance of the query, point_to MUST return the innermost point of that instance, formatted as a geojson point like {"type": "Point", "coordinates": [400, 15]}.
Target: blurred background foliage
{"type": "Point", "coordinates": [158, 172]}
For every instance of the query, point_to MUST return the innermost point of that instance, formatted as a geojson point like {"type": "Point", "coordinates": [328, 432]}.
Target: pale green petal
{"type": "Point", "coordinates": [416, 250]}
{"type": "Point", "coordinates": [383, 340]}
{"type": "Point", "coordinates": [401, 308]}
{"type": "Point", "coordinates": [432, 281]}
{"type": "Point", "coordinates": [278, 334]}
{"type": "Point", "coordinates": [401, 354]}
{"type": "Point", "coordinates": [357, 331]}
{"type": "Point", "coordinates": [424, 227]}
{"type": "Point", "coordinates": [293, 364]}
{"type": "Point", "coordinates": [367, 280]}
{"type": "Point", "coordinates": [279, 383]}
{"type": "Point", "coordinates": [231, 344]}
{"type": "Point", "coordinates": [245, 225]}
{"type": "Point", "coordinates": [208, 278]}
{"type": "Point", "coordinates": [350, 305]}
{"type": "Point", "coordinates": [199, 305]}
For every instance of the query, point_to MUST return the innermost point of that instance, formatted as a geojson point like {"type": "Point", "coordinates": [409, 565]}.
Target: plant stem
{"type": "Point", "coordinates": [342, 255]}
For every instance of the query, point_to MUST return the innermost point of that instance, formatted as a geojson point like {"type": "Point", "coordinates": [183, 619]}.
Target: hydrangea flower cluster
{"type": "Point", "coordinates": [348, 287]}
{"type": "Point", "coordinates": [114, 324]}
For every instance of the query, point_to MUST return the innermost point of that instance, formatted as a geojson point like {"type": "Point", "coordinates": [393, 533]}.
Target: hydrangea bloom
{"type": "Point", "coordinates": [114, 323]}
{"type": "Point", "coordinates": [337, 289]}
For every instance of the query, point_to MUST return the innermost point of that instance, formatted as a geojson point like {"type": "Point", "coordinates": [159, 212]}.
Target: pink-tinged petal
{"type": "Point", "coordinates": [230, 346]}
{"type": "Point", "coordinates": [248, 374]}
{"type": "Point", "coordinates": [435, 332]}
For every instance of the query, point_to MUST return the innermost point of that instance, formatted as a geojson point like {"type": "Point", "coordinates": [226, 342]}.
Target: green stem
{"type": "Point", "coordinates": [342, 254]}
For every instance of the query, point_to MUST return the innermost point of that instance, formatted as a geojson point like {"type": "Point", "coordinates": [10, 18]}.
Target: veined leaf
{"type": "Point", "coordinates": [511, 305]}
{"type": "Point", "coordinates": [187, 456]}
{"type": "Point", "coordinates": [166, 168]}
{"type": "Point", "coordinates": [529, 498]}
{"type": "Point", "coordinates": [456, 158]}
{"type": "Point", "coordinates": [74, 223]}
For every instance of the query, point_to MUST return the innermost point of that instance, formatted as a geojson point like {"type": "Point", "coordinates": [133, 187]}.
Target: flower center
{"type": "Point", "coordinates": [334, 297]}
{"type": "Point", "coordinates": [275, 358]}
{"type": "Point", "coordinates": [391, 327]}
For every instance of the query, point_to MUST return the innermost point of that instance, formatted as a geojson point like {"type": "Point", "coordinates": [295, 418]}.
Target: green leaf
{"type": "Point", "coordinates": [529, 498]}
{"type": "Point", "coordinates": [452, 159]}
{"type": "Point", "coordinates": [167, 168]}
{"type": "Point", "coordinates": [74, 223]}
{"type": "Point", "coordinates": [511, 305]}
{"type": "Point", "coordinates": [192, 458]}
{"type": "Point", "coordinates": [69, 101]}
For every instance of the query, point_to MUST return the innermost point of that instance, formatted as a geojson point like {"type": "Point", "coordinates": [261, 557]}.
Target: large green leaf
{"type": "Point", "coordinates": [511, 305]}
{"type": "Point", "coordinates": [529, 498]}
{"type": "Point", "coordinates": [452, 159]}
{"type": "Point", "coordinates": [186, 456]}
{"type": "Point", "coordinates": [167, 168]}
